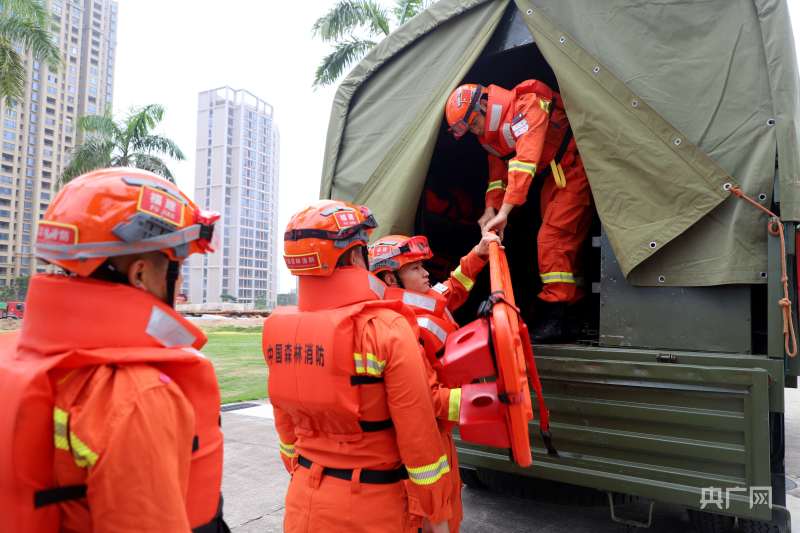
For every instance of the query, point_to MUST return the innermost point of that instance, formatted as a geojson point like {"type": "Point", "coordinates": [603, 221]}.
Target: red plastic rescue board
{"type": "Point", "coordinates": [496, 413]}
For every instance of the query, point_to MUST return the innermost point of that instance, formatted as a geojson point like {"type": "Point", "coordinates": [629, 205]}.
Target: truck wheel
{"type": "Point", "coordinates": [469, 477]}
{"type": "Point", "coordinates": [547, 491]}
{"type": "Point", "coordinates": [756, 526]}
{"type": "Point", "coordinates": [704, 522]}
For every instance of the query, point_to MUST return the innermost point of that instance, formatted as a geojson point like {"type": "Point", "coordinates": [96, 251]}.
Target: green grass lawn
{"type": "Point", "coordinates": [236, 353]}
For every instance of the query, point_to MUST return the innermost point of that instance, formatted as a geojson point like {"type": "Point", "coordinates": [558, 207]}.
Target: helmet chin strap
{"type": "Point", "coordinates": [173, 271]}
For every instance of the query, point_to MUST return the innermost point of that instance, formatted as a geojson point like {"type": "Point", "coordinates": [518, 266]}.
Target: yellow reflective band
{"type": "Point", "coordinates": [521, 166]}
{"type": "Point", "coordinates": [287, 450]}
{"type": "Point", "coordinates": [496, 185]}
{"type": "Point", "coordinates": [545, 105]}
{"type": "Point", "coordinates": [60, 419]}
{"type": "Point", "coordinates": [429, 474]}
{"type": "Point", "coordinates": [558, 174]}
{"type": "Point", "coordinates": [462, 278]}
{"type": "Point", "coordinates": [558, 277]}
{"type": "Point", "coordinates": [371, 366]}
{"type": "Point", "coordinates": [82, 454]}
{"type": "Point", "coordinates": [454, 405]}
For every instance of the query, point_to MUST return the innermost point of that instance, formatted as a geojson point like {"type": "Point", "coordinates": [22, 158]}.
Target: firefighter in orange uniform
{"type": "Point", "coordinates": [398, 261]}
{"type": "Point", "coordinates": [110, 414]}
{"type": "Point", "coordinates": [526, 133]}
{"type": "Point", "coordinates": [349, 392]}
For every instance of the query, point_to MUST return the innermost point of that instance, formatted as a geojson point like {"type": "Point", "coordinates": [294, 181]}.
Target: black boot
{"type": "Point", "coordinates": [551, 324]}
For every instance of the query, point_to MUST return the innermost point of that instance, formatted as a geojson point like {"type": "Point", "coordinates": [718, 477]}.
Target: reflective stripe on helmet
{"type": "Point", "coordinates": [90, 250]}
{"type": "Point", "coordinates": [433, 327]}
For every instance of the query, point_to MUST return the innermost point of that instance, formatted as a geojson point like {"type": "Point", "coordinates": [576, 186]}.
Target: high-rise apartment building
{"type": "Point", "coordinates": [237, 175]}
{"type": "Point", "coordinates": [39, 131]}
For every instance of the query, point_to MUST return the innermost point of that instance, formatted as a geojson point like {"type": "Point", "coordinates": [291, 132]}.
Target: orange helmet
{"type": "Point", "coordinates": [393, 252]}
{"type": "Point", "coordinates": [318, 235]}
{"type": "Point", "coordinates": [120, 211]}
{"type": "Point", "coordinates": [462, 107]}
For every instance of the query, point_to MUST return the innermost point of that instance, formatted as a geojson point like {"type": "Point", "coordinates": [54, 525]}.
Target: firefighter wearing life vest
{"type": "Point", "coordinates": [527, 135]}
{"type": "Point", "coordinates": [348, 387]}
{"type": "Point", "coordinates": [398, 261]}
{"type": "Point", "coordinates": [110, 415]}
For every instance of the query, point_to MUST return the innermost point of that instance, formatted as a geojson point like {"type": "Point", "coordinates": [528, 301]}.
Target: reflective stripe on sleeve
{"type": "Point", "coordinates": [369, 365]}
{"type": "Point", "coordinates": [429, 474]}
{"type": "Point", "coordinates": [508, 137]}
{"type": "Point", "coordinates": [60, 419]}
{"type": "Point", "coordinates": [496, 185]}
{"type": "Point", "coordinates": [521, 166]}
{"type": "Point", "coordinates": [454, 405]}
{"type": "Point", "coordinates": [557, 277]}
{"type": "Point", "coordinates": [66, 440]}
{"type": "Point", "coordinates": [462, 278]}
{"type": "Point", "coordinates": [429, 325]}
{"type": "Point", "coordinates": [287, 449]}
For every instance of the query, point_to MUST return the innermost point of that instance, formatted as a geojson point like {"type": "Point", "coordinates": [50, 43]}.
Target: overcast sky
{"type": "Point", "coordinates": [170, 50]}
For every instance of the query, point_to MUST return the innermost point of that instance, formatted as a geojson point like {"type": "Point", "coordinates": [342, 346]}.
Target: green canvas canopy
{"type": "Point", "coordinates": [671, 103]}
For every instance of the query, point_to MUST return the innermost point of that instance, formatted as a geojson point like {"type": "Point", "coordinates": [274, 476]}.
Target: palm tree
{"type": "Point", "coordinates": [23, 27]}
{"type": "Point", "coordinates": [128, 143]}
{"type": "Point", "coordinates": [355, 26]}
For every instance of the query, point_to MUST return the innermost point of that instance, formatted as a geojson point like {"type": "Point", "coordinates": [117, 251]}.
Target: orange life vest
{"type": "Point", "coordinates": [432, 316]}
{"type": "Point", "coordinates": [499, 137]}
{"type": "Point", "coordinates": [314, 359]}
{"type": "Point", "coordinates": [78, 323]}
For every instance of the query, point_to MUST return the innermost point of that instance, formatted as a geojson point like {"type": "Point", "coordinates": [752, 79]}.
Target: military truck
{"type": "Point", "coordinates": [674, 389]}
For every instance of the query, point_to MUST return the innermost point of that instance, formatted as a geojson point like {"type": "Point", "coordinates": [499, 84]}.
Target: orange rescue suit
{"type": "Point", "coordinates": [110, 418]}
{"type": "Point", "coordinates": [435, 322]}
{"type": "Point", "coordinates": [353, 409]}
{"type": "Point", "coordinates": [524, 128]}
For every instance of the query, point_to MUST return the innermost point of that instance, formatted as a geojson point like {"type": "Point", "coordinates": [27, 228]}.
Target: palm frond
{"type": "Point", "coordinates": [32, 37]}
{"type": "Point", "coordinates": [337, 62]}
{"type": "Point", "coordinates": [101, 125]}
{"type": "Point", "coordinates": [404, 10]}
{"type": "Point", "coordinates": [158, 144]}
{"type": "Point", "coordinates": [29, 9]}
{"type": "Point", "coordinates": [92, 154]}
{"type": "Point", "coordinates": [12, 73]}
{"type": "Point", "coordinates": [153, 164]}
{"type": "Point", "coordinates": [141, 120]}
{"type": "Point", "coordinates": [347, 16]}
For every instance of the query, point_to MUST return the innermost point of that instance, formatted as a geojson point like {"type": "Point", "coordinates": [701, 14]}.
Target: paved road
{"type": "Point", "coordinates": [255, 484]}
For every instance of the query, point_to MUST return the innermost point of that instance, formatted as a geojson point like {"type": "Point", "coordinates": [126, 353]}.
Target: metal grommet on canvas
{"type": "Point", "coordinates": [677, 141]}
{"type": "Point", "coordinates": [529, 12]}
{"type": "Point", "coordinates": [770, 122]}
{"type": "Point", "coordinates": [763, 275]}
{"type": "Point", "coordinates": [653, 244]}
{"type": "Point", "coordinates": [596, 69]}
{"type": "Point", "coordinates": [635, 102]}
{"type": "Point", "coordinates": [727, 187]}
{"type": "Point", "coordinates": [762, 196]}
{"type": "Point", "coordinates": [562, 39]}
{"type": "Point", "coordinates": [662, 279]}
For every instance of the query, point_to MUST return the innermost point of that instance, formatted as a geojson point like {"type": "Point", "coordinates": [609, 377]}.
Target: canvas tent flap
{"type": "Point", "coordinates": [380, 140]}
{"type": "Point", "coordinates": [703, 77]}
{"type": "Point", "coordinates": [669, 101]}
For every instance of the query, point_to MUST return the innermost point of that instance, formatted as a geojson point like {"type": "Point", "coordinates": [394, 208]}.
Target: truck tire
{"type": "Point", "coordinates": [544, 490]}
{"type": "Point", "coordinates": [469, 476]}
{"type": "Point", "coordinates": [704, 522]}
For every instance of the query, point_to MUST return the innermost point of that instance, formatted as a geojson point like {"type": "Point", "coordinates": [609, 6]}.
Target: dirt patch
{"type": "Point", "coordinates": [10, 324]}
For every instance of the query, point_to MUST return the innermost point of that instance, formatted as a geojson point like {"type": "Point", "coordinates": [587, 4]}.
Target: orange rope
{"type": "Point", "coordinates": [775, 228]}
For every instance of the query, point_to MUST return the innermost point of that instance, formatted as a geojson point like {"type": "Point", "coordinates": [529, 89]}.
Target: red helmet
{"type": "Point", "coordinates": [320, 234]}
{"type": "Point", "coordinates": [463, 105]}
{"type": "Point", "coordinates": [120, 211]}
{"type": "Point", "coordinates": [393, 252]}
